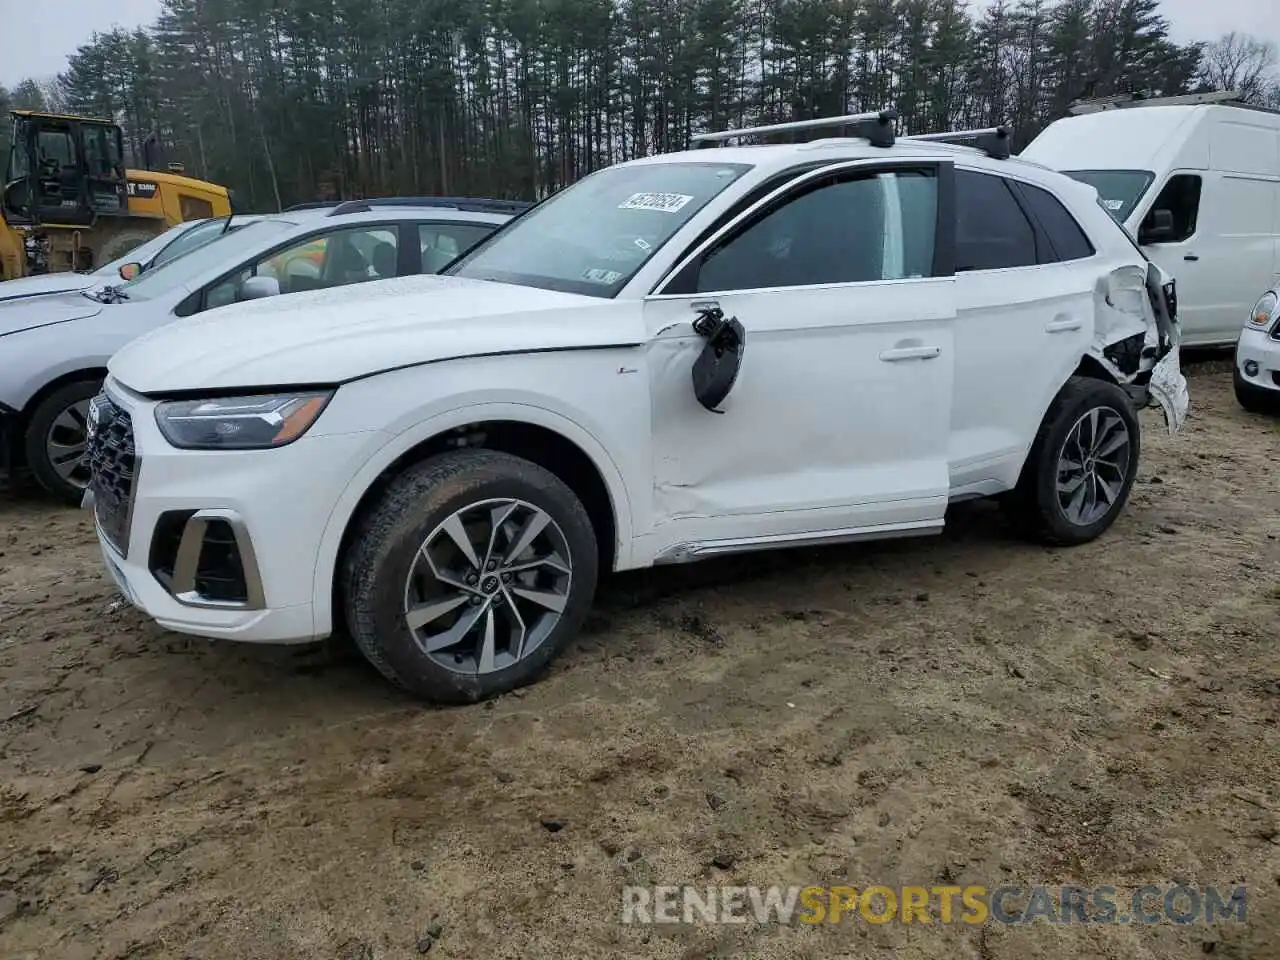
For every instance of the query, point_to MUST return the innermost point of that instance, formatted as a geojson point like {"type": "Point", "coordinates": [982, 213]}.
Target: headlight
{"type": "Point", "coordinates": [1264, 314]}
{"type": "Point", "coordinates": [240, 423]}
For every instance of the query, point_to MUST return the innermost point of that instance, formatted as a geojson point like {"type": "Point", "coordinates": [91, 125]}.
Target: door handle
{"type": "Point", "coordinates": [909, 353]}
{"type": "Point", "coordinates": [1192, 256]}
{"type": "Point", "coordinates": [1063, 324]}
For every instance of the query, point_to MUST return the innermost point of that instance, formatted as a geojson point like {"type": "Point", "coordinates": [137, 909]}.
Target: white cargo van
{"type": "Point", "coordinates": [1196, 180]}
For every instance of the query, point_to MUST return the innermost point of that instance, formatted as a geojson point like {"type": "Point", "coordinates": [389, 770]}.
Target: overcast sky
{"type": "Point", "coordinates": [39, 34]}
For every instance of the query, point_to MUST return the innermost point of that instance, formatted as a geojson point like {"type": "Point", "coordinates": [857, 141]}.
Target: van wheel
{"type": "Point", "coordinates": [55, 441]}
{"type": "Point", "coordinates": [469, 575]}
{"type": "Point", "coordinates": [1254, 399]}
{"type": "Point", "coordinates": [1081, 466]}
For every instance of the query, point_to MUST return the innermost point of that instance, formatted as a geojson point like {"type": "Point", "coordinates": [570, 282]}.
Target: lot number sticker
{"type": "Point", "coordinates": [662, 202]}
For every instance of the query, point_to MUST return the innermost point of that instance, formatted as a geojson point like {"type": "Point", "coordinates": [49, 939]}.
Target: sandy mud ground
{"type": "Point", "coordinates": [965, 709]}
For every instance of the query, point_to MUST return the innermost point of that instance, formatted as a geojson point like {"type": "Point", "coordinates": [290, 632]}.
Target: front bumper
{"type": "Point", "coordinates": [223, 544]}
{"type": "Point", "coordinates": [1258, 359]}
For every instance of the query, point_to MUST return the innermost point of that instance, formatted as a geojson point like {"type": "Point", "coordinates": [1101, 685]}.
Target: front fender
{"type": "Point", "coordinates": [35, 358]}
{"type": "Point", "coordinates": [397, 444]}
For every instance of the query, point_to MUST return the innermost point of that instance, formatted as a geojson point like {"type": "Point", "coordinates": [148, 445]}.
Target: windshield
{"type": "Point", "coordinates": [183, 270]}
{"type": "Point", "coordinates": [592, 237]}
{"type": "Point", "coordinates": [144, 252]}
{"type": "Point", "coordinates": [1119, 190]}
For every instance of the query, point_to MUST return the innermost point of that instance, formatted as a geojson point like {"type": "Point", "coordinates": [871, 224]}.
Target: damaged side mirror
{"type": "Point", "coordinates": [1158, 227]}
{"type": "Point", "coordinates": [716, 369]}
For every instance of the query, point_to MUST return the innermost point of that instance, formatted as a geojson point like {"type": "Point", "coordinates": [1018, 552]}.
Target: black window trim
{"type": "Point", "coordinates": [194, 302]}
{"type": "Point", "coordinates": [755, 206]}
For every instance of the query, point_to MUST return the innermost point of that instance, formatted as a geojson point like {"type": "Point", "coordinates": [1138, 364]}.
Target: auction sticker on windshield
{"type": "Point", "coordinates": [662, 202]}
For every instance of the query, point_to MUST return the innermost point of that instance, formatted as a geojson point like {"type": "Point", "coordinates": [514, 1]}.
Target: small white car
{"type": "Point", "coordinates": [56, 347]}
{"type": "Point", "coordinates": [1257, 366]}
{"type": "Point", "coordinates": [159, 250]}
{"type": "Point", "coordinates": [678, 357]}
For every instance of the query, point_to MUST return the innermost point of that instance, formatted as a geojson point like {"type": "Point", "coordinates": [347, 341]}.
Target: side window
{"type": "Point", "coordinates": [860, 228]}
{"type": "Point", "coordinates": [194, 208]}
{"type": "Point", "coordinates": [1068, 240]}
{"type": "Point", "coordinates": [442, 243]}
{"type": "Point", "coordinates": [327, 260]}
{"type": "Point", "coordinates": [992, 232]}
{"type": "Point", "coordinates": [55, 148]}
{"type": "Point", "coordinates": [1181, 197]}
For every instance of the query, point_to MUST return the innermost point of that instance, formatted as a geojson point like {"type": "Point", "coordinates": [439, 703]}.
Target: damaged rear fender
{"type": "Point", "coordinates": [1136, 339]}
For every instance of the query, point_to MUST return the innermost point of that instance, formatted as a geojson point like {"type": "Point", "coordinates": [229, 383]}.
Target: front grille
{"type": "Point", "coordinates": [113, 469]}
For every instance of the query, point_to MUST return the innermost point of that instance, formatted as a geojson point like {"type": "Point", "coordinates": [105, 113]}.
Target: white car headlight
{"type": "Point", "coordinates": [1264, 314]}
{"type": "Point", "coordinates": [240, 423]}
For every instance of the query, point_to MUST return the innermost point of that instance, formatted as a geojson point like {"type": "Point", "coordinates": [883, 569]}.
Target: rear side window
{"type": "Point", "coordinates": [992, 232]}
{"type": "Point", "coordinates": [442, 243]}
{"type": "Point", "coordinates": [1066, 240]}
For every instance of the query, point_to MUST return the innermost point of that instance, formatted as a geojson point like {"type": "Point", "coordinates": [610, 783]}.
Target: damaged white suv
{"type": "Point", "coordinates": [678, 357]}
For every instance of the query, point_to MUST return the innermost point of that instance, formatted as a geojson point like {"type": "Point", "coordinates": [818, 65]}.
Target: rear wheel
{"type": "Point", "coordinates": [471, 573]}
{"type": "Point", "coordinates": [1081, 467]}
{"type": "Point", "coordinates": [1254, 399]}
{"type": "Point", "coordinates": [55, 441]}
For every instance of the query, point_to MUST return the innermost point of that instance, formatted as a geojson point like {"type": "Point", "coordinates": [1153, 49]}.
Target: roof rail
{"type": "Point", "coordinates": [993, 141]}
{"type": "Point", "coordinates": [878, 127]}
{"type": "Point", "coordinates": [1225, 98]}
{"type": "Point", "coordinates": [349, 206]}
{"type": "Point", "coordinates": [467, 204]}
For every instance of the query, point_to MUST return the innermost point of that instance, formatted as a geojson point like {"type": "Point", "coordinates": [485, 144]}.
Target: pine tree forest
{"type": "Point", "coordinates": [292, 100]}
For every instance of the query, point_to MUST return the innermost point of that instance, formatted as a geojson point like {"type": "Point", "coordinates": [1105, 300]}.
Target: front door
{"type": "Point", "coordinates": [837, 422]}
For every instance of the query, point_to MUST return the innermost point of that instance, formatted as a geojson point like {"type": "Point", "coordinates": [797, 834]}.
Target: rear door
{"type": "Point", "coordinates": [1023, 321]}
{"type": "Point", "coordinates": [838, 420]}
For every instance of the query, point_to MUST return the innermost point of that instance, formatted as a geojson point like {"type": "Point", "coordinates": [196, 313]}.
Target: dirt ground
{"type": "Point", "coordinates": [965, 709]}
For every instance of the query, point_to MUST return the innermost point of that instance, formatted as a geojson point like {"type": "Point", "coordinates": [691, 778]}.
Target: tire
{"type": "Point", "coordinates": [54, 420]}
{"type": "Point", "coordinates": [119, 245]}
{"type": "Point", "coordinates": [400, 543]}
{"type": "Point", "coordinates": [1254, 399]}
{"type": "Point", "coordinates": [1035, 506]}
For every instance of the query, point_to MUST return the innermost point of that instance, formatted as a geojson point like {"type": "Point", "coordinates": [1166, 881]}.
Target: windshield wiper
{"type": "Point", "coordinates": [110, 294]}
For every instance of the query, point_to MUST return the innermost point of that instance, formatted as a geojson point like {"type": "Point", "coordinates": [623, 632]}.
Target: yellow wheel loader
{"type": "Point", "coordinates": [68, 203]}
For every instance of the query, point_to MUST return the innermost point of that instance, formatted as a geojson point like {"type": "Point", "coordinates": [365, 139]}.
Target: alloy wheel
{"type": "Point", "coordinates": [65, 443]}
{"type": "Point", "coordinates": [488, 586]}
{"type": "Point", "coordinates": [1093, 465]}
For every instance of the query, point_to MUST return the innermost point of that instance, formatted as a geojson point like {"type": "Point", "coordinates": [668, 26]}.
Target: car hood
{"type": "Point", "coordinates": [335, 335]}
{"type": "Point", "coordinates": [28, 313]}
{"type": "Point", "coordinates": [45, 284]}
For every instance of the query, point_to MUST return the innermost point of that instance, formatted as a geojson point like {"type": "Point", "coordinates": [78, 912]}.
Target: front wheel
{"type": "Point", "coordinates": [467, 577]}
{"type": "Point", "coordinates": [55, 441]}
{"type": "Point", "coordinates": [1081, 466]}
